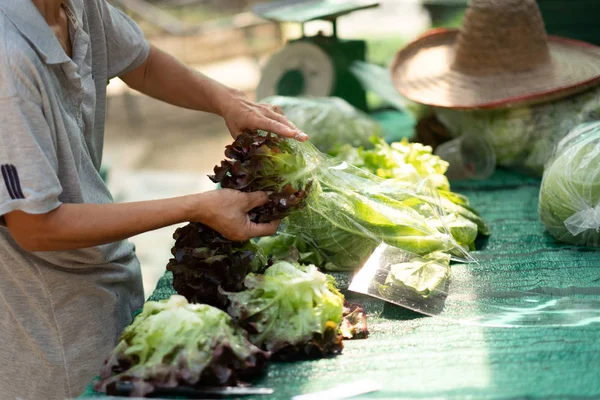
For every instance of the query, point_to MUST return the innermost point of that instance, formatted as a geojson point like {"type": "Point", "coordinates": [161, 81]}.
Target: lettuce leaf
{"type": "Point", "coordinates": [405, 161]}
{"type": "Point", "coordinates": [424, 277]}
{"type": "Point", "coordinates": [265, 162]}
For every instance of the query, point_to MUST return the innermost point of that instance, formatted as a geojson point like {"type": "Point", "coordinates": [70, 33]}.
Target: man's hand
{"type": "Point", "coordinates": [241, 115]}
{"type": "Point", "coordinates": [226, 211]}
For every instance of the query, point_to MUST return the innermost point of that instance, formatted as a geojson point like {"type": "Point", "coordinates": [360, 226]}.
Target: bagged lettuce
{"type": "Point", "coordinates": [415, 163]}
{"type": "Point", "coordinates": [524, 138]}
{"type": "Point", "coordinates": [173, 343]}
{"type": "Point", "coordinates": [569, 203]}
{"type": "Point", "coordinates": [331, 122]}
{"type": "Point", "coordinates": [423, 277]}
{"type": "Point", "coordinates": [412, 162]}
{"type": "Point", "coordinates": [341, 211]}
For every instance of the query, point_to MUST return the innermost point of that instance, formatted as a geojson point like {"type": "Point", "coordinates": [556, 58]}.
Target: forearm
{"type": "Point", "coordinates": [74, 226]}
{"type": "Point", "coordinates": [165, 78]}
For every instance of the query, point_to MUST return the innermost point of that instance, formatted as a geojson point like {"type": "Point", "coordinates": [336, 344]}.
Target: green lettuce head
{"type": "Point", "coordinates": [173, 343]}
{"type": "Point", "coordinates": [292, 309]}
{"type": "Point", "coordinates": [570, 194]}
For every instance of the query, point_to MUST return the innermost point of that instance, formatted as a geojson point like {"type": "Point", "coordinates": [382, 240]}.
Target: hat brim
{"type": "Point", "coordinates": [422, 72]}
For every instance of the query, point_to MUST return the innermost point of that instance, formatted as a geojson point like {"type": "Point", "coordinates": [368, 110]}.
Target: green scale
{"type": "Point", "coordinates": [316, 66]}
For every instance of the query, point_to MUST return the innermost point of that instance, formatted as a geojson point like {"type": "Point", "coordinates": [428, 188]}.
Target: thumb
{"type": "Point", "coordinates": [255, 199]}
{"type": "Point", "coordinates": [260, 230]}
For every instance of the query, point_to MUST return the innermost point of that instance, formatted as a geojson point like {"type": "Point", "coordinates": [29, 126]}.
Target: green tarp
{"type": "Point", "coordinates": [413, 356]}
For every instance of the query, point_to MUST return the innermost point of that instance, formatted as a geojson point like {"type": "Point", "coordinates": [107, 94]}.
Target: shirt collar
{"type": "Point", "coordinates": [28, 20]}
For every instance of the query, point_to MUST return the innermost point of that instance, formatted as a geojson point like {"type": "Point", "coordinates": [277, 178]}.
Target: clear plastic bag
{"type": "Point", "coordinates": [570, 194]}
{"type": "Point", "coordinates": [331, 122]}
{"type": "Point", "coordinates": [524, 138]}
{"type": "Point", "coordinates": [337, 213]}
{"type": "Point", "coordinates": [349, 212]}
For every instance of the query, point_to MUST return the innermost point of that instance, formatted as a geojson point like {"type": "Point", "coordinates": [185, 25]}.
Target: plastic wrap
{"type": "Point", "coordinates": [473, 294]}
{"type": "Point", "coordinates": [329, 121]}
{"type": "Point", "coordinates": [524, 138]}
{"type": "Point", "coordinates": [349, 213]}
{"type": "Point", "coordinates": [570, 194]}
{"type": "Point", "coordinates": [338, 212]}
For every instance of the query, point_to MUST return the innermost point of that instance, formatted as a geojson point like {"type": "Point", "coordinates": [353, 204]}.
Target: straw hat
{"type": "Point", "coordinates": [500, 57]}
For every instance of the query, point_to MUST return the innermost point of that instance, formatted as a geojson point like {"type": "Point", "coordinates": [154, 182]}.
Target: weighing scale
{"type": "Point", "coordinates": [316, 66]}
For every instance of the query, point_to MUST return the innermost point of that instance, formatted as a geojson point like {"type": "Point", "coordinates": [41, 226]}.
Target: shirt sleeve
{"type": "Point", "coordinates": [28, 161]}
{"type": "Point", "coordinates": [126, 45]}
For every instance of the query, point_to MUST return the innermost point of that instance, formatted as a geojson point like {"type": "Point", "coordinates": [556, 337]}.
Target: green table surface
{"type": "Point", "coordinates": [413, 356]}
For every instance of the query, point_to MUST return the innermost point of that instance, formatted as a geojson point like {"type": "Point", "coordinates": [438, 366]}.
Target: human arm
{"type": "Point", "coordinates": [164, 78]}
{"type": "Point", "coordinates": [157, 74]}
{"type": "Point", "coordinates": [74, 226]}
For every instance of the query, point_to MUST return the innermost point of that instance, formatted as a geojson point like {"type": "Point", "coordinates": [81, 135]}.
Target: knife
{"type": "Point", "coordinates": [125, 389]}
{"type": "Point", "coordinates": [402, 278]}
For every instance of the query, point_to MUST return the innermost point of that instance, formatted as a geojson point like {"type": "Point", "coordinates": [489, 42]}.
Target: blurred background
{"type": "Point", "coordinates": [154, 150]}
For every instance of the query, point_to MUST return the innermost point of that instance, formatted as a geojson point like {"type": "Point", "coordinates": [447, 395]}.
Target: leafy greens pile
{"type": "Point", "coordinates": [269, 298]}
{"type": "Point", "coordinates": [220, 272]}
{"type": "Point", "coordinates": [173, 343]}
{"type": "Point", "coordinates": [211, 269]}
{"type": "Point", "coordinates": [405, 161]}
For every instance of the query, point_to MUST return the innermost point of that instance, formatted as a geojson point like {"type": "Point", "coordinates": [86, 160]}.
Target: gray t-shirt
{"type": "Point", "coordinates": [60, 312]}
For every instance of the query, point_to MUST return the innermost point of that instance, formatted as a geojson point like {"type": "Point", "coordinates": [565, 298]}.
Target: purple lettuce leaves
{"type": "Point", "coordinates": [265, 162]}
{"type": "Point", "coordinates": [204, 261]}
{"type": "Point", "coordinates": [354, 322]}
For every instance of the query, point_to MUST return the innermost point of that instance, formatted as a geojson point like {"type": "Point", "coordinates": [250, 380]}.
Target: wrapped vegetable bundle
{"type": "Point", "coordinates": [331, 121]}
{"type": "Point", "coordinates": [344, 212]}
{"type": "Point", "coordinates": [414, 163]}
{"type": "Point", "coordinates": [525, 137]}
{"type": "Point", "coordinates": [570, 194]}
{"type": "Point", "coordinates": [173, 343]}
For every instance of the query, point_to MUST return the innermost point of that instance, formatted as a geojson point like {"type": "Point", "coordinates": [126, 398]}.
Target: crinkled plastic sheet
{"type": "Point", "coordinates": [350, 212]}
{"type": "Point", "coordinates": [472, 295]}
{"type": "Point", "coordinates": [570, 192]}
{"type": "Point", "coordinates": [330, 121]}
{"type": "Point", "coordinates": [524, 138]}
